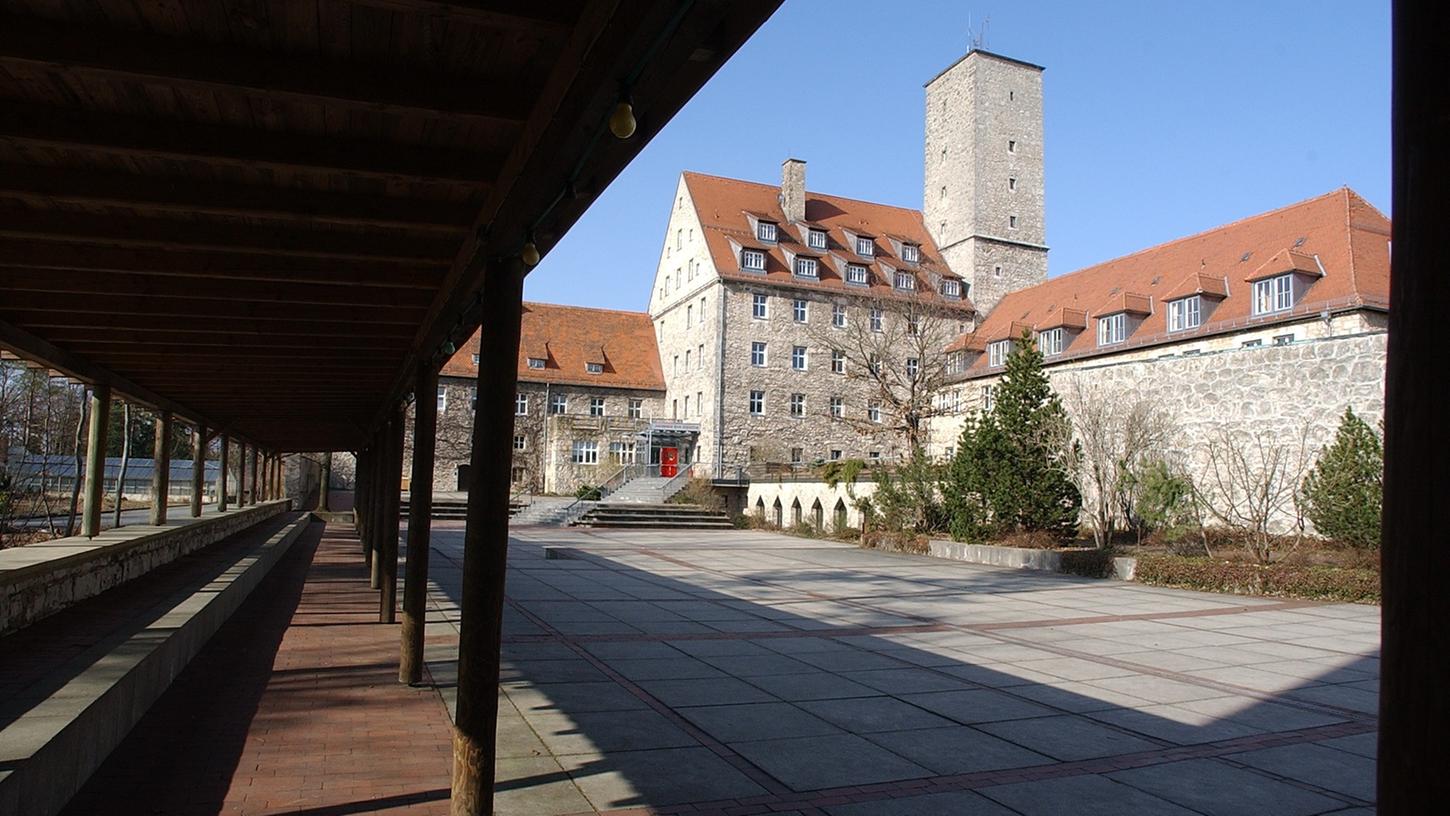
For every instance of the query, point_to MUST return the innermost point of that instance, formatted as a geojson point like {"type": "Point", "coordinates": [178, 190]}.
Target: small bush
{"type": "Point", "coordinates": [846, 534]}
{"type": "Point", "coordinates": [699, 492]}
{"type": "Point", "coordinates": [1089, 562]}
{"type": "Point", "coordinates": [1318, 583]}
{"type": "Point", "coordinates": [894, 541]}
{"type": "Point", "coordinates": [804, 530]}
{"type": "Point", "coordinates": [1029, 540]}
{"type": "Point", "coordinates": [588, 493]}
{"type": "Point", "coordinates": [1343, 493]}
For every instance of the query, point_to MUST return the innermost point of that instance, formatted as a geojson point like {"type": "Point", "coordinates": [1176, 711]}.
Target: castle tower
{"type": "Point", "coordinates": [983, 197]}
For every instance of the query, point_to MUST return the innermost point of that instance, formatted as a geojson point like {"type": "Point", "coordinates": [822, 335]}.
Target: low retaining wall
{"type": "Point", "coordinates": [42, 579]}
{"type": "Point", "coordinates": [1019, 557]}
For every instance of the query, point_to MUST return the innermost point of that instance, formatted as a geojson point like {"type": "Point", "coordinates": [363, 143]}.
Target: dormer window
{"type": "Point", "coordinates": [1050, 342]}
{"type": "Point", "coordinates": [537, 362]}
{"type": "Point", "coordinates": [905, 281]}
{"type": "Point", "coordinates": [753, 259]}
{"type": "Point", "coordinates": [1274, 294]}
{"type": "Point", "coordinates": [865, 247]}
{"type": "Point", "coordinates": [951, 288]}
{"type": "Point", "coordinates": [805, 267]}
{"type": "Point", "coordinates": [911, 253]}
{"type": "Point", "coordinates": [816, 239]}
{"type": "Point", "coordinates": [765, 231]}
{"type": "Point", "coordinates": [1112, 329]}
{"type": "Point", "coordinates": [997, 352]}
{"type": "Point", "coordinates": [856, 273]}
{"type": "Point", "coordinates": [594, 368]}
{"type": "Point", "coordinates": [1185, 313]}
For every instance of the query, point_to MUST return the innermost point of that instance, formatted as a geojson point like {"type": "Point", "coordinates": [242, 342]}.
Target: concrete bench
{"type": "Point", "coordinates": [54, 735]}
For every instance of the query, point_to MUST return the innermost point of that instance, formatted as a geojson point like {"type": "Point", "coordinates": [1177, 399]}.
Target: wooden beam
{"type": "Point", "coordinates": [152, 309]}
{"type": "Point", "coordinates": [192, 64]}
{"type": "Point", "coordinates": [28, 256]}
{"type": "Point", "coordinates": [136, 138]}
{"type": "Point", "coordinates": [189, 340]}
{"type": "Point", "coordinates": [52, 227]}
{"type": "Point", "coordinates": [527, 16]}
{"type": "Point", "coordinates": [77, 284]}
{"type": "Point", "coordinates": [46, 186]}
{"type": "Point", "coordinates": [43, 321]}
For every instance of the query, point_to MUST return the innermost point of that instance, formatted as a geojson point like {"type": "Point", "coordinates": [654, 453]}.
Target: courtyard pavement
{"type": "Point", "coordinates": [746, 672]}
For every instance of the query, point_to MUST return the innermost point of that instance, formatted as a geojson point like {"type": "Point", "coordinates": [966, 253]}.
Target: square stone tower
{"type": "Point", "coordinates": [983, 197]}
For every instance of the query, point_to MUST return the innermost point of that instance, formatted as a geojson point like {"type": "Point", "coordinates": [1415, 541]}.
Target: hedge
{"type": "Point", "coordinates": [1318, 583]}
{"type": "Point", "coordinates": [1090, 563]}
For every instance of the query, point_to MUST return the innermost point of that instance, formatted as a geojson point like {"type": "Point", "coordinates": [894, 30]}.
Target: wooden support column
{"type": "Point", "coordinates": [375, 516]}
{"type": "Point", "coordinates": [393, 485]}
{"type": "Point", "coordinates": [241, 474]}
{"type": "Point", "coordinates": [485, 542]}
{"type": "Point", "coordinates": [198, 470]}
{"type": "Point", "coordinates": [1414, 708]}
{"type": "Point", "coordinates": [222, 477]}
{"type": "Point", "coordinates": [360, 499]}
{"type": "Point", "coordinates": [96, 458]}
{"type": "Point", "coordinates": [161, 469]}
{"type": "Point", "coordinates": [256, 494]}
{"type": "Point", "coordinates": [324, 478]}
{"type": "Point", "coordinates": [420, 511]}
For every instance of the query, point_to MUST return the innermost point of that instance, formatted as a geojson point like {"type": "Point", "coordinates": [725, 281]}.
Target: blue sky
{"type": "Point", "coordinates": [1162, 119]}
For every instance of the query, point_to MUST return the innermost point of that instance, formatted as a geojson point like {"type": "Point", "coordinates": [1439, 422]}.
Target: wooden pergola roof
{"type": "Point", "coordinates": [262, 215]}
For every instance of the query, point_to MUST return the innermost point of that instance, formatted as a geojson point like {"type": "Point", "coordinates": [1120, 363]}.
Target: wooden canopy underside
{"type": "Point", "coordinates": [263, 215]}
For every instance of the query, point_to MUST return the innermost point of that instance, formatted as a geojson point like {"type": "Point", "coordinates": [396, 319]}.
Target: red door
{"type": "Point", "coordinates": [669, 461]}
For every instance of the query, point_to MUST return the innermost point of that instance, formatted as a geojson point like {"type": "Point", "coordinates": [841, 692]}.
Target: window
{"type": "Point", "coordinates": [835, 454]}
{"type": "Point", "coordinates": [759, 307]}
{"type": "Point", "coordinates": [674, 409]}
{"type": "Point", "coordinates": [757, 354]}
{"type": "Point", "coordinates": [596, 406]}
{"type": "Point", "coordinates": [699, 402]}
{"type": "Point", "coordinates": [675, 363]}
{"type": "Point", "coordinates": [757, 402]}
{"type": "Point", "coordinates": [874, 455]}
{"type": "Point", "coordinates": [636, 408]}
{"type": "Point", "coordinates": [752, 259]}
{"type": "Point", "coordinates": [475, 361]}
{"type": "Point", "coordinates": [1185, 313]}
{"type": "Point", "coordinates": [687, 405]}
{"type": "Point", "coordinates": [838, 407]}
{"type": "Point", "coordinates": [805, 267]}
{"type": "Point", "coordinates": [1011, 222]}
{"type": "Point", "coordinates": [473, 398]}
{"type": "Point", "coordinates": [838, 316]}
{"type": "Point", "coordinates": [838, 362]}
{"type": "Point", "coordinates": [997, 352]}
{"type": "Point", "coordinates": [517, 474]}
{"type": "Point", "coordinates": [1050, 342]}
{"type": "Point", "coordinates": [913, 367]}
{"type": "Point", "coordinates": [687, 358]}
{"type": "Point", "coordinates": [911, 253]}
{"type": "Point", "coordinates": [797, 456]}
{"type": "Point", "coordinates": [988, 397]}
{"type": "Point", "coordinates": [558, 403]}
{"type": "Point", "coordinates": [594, 368]}
{"type": "Point", "coordinates": [679, 239]}
{"type": "Point", "coordinates": [1011, 183]}
{"type": "Point", "coordinates": [622, 452]}
{"type": "Point", "coordinates": [873, 413]}
{"type": "Point", "coordinates": [442, 398]}
{"type": "Point", "coordinates": [798, 358]}
{"type": "Point", "coordinates": [865, 247]}
{"type": "Point", "coordinates": [876, 320]}
{"type": "Point", "coordinates": [1283, 339]}
{"type": "Point", "coordinates": [913, 326]}
{"type": "Point", "coordinates": [521, 442]}
{"type": "Point", "coordinates": [521, 405]}
{"type": "Point", "coordinates": [1252, 343]}
{"type": "Point", "coordinates": [997, 271]}
{"type": "Point", "coordinates": [1011, 145]}
{"type": "Point", "coordinates": [1112, 329]}
{"type": "Point", "coordinates": [800, 311]}
{"type": "Point", "coordinates": [536, 362]}
{"type": "Point", "coordinates": [689, 315]}
{"type": "Point", "coordinates": [700, 356]}
{"type": "Point", "coordinates": [904, 280]}
{"type": "Point", "coordinates": [765, 231]}
{"type": "Point", "coordinates": [951, 288]}
{"type": "Point", "coordinates": [585, 452]}
{"type": "Point", "coordinates": [1274, 294]}
{"type": "Point", "coordinates": [856, 273]}
{"type": "Point", "coordinates": [797, 405]}
{"type": "Point", "coordinates": [816, 239]}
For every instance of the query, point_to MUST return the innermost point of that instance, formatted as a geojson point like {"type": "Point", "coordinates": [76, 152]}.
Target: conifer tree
{"type": "Point", "coordinates": [1342, 493]}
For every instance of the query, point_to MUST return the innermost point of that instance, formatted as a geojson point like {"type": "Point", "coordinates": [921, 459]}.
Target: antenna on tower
{"type": "Point", "coordinates": [977, 37]}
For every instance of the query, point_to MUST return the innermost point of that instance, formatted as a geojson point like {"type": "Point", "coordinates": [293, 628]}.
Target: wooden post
{"type": "Point", "coordinates": [324, 478]}
{"type": "Point", "coordinates": [485, 543]}
{"type": "Point", "coordinates": [256, 493]}
{"type": "Point", "coordinates": [161, 469]}
{"type": "Point", "coordinates": [222, 479]}
{"type": "Point", "coordinates": [198, 470]}
{"type": "Point", "coordinates": [360, 498]}
{"type": "Point", "coordinates": [420, 511]}
{"type": "Point", "coordinates": [376, 496]}
{"type": "Point", "coordinates": [96, 458]}
{"type": "Point", "coordinates": [241, 475]}
{"type": "Point", "coordinates": [1414, 709]}
{"type": "Point", "coordinates": [392, 483]}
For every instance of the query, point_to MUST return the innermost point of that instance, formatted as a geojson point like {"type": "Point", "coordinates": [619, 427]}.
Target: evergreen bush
{"type": "Point", "coordinates": [1342, 494]}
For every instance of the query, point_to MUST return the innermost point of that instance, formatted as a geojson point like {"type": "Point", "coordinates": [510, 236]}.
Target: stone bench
{"type": "Point", "coordinates": [57, 731]}
{"type": "Point", "coordinates": [42, 579]}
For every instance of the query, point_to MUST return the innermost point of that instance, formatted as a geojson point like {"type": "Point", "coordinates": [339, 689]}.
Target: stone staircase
{"type": "Point", "coordinates": [654, 515]}
{"type": "Point", "coordinates": [550, 511]}
{"type": "Point", "coordinates": [647, 490]}
{"type": "Point", "coordinates": [453, 509]}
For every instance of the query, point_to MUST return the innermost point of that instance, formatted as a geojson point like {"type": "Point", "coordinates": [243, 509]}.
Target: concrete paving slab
{"type": "Point", "coordinates": [968, 706]}
{"type": "Point", "coordinates": [1068, 738]}
{"type": "Point", "coordinates": [754, 721]}
{"type": "Point", "coordinates": [813, 763]}
{"type": "Point", "coordinates": [705, 691]}
{"type": "Point", "coordinates": [666, 776]}
{"type": "Point", "coordinates": [955, 803]}
{"type": "Point", "coordinates": [863, 715]}
{"type": "Point", "coordinates": [1321, 766]}
{"type": "Point", "coordinates": [1215, 788]}
{"type": "Point", "coordinates": [957, 749]}
{"type": "Point", "coordinates": [1081, 796]}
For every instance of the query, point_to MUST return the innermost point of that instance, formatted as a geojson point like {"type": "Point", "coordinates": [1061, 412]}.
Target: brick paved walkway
{"type": "Point", "coordinates": [294, 707]}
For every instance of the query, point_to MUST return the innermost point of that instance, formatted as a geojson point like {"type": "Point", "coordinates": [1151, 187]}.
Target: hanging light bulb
{"type": "Point", "coordinates": [448, 347]}
{"type": "Point", "coordinates": [529, 254]}
{"type": "Point", "coordinates": [621, 120]}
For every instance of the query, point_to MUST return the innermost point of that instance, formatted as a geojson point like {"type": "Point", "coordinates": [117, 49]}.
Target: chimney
{"type": "Point", "coordinates": [793, 189]}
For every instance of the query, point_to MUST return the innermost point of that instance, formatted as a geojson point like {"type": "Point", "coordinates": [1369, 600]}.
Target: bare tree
{"type": "Point", "coordinates": [125, 460]}
{"type": "Point", "coordinates": [75, 487]}
{"type": "Point", "coordinates": [896, 349]}
{"type": "Point", "coordinates": [1117, 434]}
{"type": "Point", "coordinates": [1251, 486]}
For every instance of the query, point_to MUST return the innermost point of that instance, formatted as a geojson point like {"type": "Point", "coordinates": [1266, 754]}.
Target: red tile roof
{"type": "Point", "coordinates": [723, 206]}
{"type": "Point", "coordinates": [568, 337]}
{"type": "Point", "coordinates": [1339, 231]}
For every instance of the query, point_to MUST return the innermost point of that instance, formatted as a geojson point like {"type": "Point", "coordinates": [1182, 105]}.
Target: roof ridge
{"type": "Point", "coordinates": [1349, 241]}
{"type": "Point", "coordinates": [585, 308]}
{"type": "Point", "coordinates": [915, 210]}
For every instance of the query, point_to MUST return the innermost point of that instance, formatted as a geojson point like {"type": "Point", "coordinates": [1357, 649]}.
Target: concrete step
{"type": "Point", "coordinates": [666, 516]}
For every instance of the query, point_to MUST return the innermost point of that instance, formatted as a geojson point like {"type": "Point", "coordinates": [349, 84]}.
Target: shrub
{"type": "Point", "coordinates": [588, 493]}
{"type": "Point", "coordinates": [907, 500]}
{"type": "Point", "coordinates": [1342, 494]}
{"type": "Point", "coordinates": [1288, 580]}
{"type": "Point", "coordinates": [701, 492]}
{"type": "Point", "coordinates": [1089, 562]}
{"type": "Point", "coordinates": [1165, 503]}
{"type": "Point", "coordinates": [895, 541]}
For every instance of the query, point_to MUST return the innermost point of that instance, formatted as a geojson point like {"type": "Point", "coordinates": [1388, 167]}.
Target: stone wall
{"type": "Point", "coordinates": [788, 500]}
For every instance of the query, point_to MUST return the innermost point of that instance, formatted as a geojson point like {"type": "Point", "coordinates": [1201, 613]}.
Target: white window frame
{"type": "Point", "coordinates": [799, 358]}
{"type": "Point", "coordinates": [856, 274]}
{"type": "Point", "coordinates": [521, 405]}
{"type": "Point", "coordinates": [594, 368]}
{"type": "Point", "coordinates": [1112, 329]}
{"type": "Point", "coordinates": [913, 367]}
{"type": "Point", "coordinates": [816, 239]}
{"type": "Point", "coordinates": [596, 406]}
{"type": "Point", "coordinates": [521, 442]}
{"type": "Point", "coordinates": [1272, 295]}
{"type": "Point", "coordinates": [877, 320]}
{"type": "Point", "coordinates": [838, 407]}
{"type": "Point", "coordinates": [442, 398]}
{"type": "Point", "coordinates": [800, 310]}
{"type": "Point", "coordinates": [997, 352]}
{"type": "Point", "coordinates": [911, 253]}
{"type": "Point", "coordinates": [797, 405]}
{"type": "Point", "coordinates": [1185, 313]}
{"type": "Point", "coordinates": [806, 267]}
{"type": "Point", "coordinates": [865, 247]}
{"type": "Point", "coordinates": [905, 281]}
{"type": "Point", "coordinates": [759, 307]}
{"type": "Point", "coordinates": [757, 403]}
{"type": "Point", "coordinates": [838, 316]}
{"type": "Point", "coordinates": [838, 362]}
{"type": "Point", "coordinates": [752, 259]}
{"type": "Point", "coordinates": [584, 452]}
{"type": "Point", "coordinates": [873, 413]}
{"type": "Point", "coordinates": [989, 397]}
{"type": "Point", "coordinates": [758, 353]}
{"type": "Point", "coordinates": [1050, 342]}
{"type": "Point", "coordinates": [951, 288]}
{"type": "Point", "coordinates": [622, 453]}
{"type": "Point", "coordinates": [558, 404]}
{"type": "Point", "coordinates": [767, 231]}
{"type": "Point", "coordinates": [636, 408]}
{"type": "Point", "coordinates": [537, 362]}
